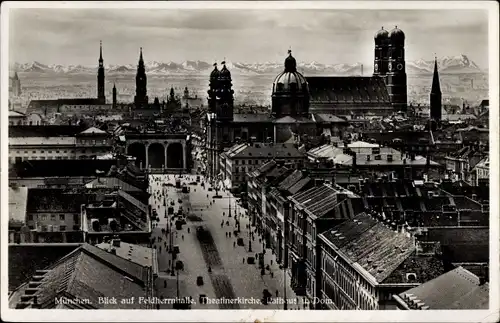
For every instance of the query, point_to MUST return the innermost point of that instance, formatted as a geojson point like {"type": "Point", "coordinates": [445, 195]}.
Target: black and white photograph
{"type": "Point", "coordinates": [250, 161]}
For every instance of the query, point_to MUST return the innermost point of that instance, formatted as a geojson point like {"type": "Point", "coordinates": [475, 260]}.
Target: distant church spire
{"type": "Point", "coordinates": [100, 77]}
{"type": "Point", "coordinates": [100, 52]}
{"type": "Point", "coordinates": [141, 97]}
{"type": "Point", "coordinates": [114, 96]}
{"type": "Point", "coordinates": [435, 97]}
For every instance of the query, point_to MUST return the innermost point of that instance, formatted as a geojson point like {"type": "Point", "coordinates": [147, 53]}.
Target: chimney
{"type": "Point", "coordinates": [362, 70]}
{"type": "Point", "coordinates": [116, 243]}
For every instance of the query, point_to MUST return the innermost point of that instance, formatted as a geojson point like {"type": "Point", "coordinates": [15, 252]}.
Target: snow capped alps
{"type": "Point", "coordinates": [446, 64]}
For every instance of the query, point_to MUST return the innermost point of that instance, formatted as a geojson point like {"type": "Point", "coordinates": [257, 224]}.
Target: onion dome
{"type": "Point", "coordinates": [290, 80]}
{"type": "Point", "coordinates": [215, 73]}
{"type": "Point", "coordinates": [381, 36]}
{"type": "Point", "coordinates": [397, 36]}
{"type": "Point", "coordinates": [224, 72]}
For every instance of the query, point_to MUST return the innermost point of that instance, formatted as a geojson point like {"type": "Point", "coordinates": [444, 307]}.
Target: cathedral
{"type": "Point", "coordinates": [305, 107]}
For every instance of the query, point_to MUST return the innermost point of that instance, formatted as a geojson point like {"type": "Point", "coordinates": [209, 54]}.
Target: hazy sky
{"type": "Point", "coordinates": [71, 36]}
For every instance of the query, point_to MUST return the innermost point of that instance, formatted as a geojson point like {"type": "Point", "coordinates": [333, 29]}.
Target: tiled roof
{"type": "Point", "coordinates": [263, 169]}
{"type": "Point", "coordinates": [16, 114]}
{"type": "Point", "coordinates": [299, 185]}
{"type": "Point", "coordinates": [45, 131]}
{"type": "Point", "coordinates": [405, 137]}
{"type": "Point", "coordinates": [251, 118]}
{"type": "Point", "coordinates": [327, 118]}
{"type": "Point", "coordinates": [348, 89]}
{"type": "Point", "coordinates": [376, 248]}
{"type": "Point", "coordinates": [129, 268]}
{"type": "Point", "coordinates": [458, 117]}
{"type": "Point", "coordinates": [137, 254]}
{"type": "Point", "coordinates": [318, 200]}
{"type": "Point", "coordinates": [362, 144]}
{"type": "Point", "coordinates": [25, 259]}
{"type": "Point", "coordinates": [262, 150]}
{"type": "Point", "coordinates": [292, 120]}
{"type": "Point", "coordinates": [290, 180]}
{"type": "Point", "coordinates": [54, 200]}
{"type": "Point", "coordinates": [89, 273]}
{"type": "Point", "coordinates": [112, 182]}
{"type": "Point", "coordinates": [456, 289]}
{"type": "Point", "coordinates": [18, 201]}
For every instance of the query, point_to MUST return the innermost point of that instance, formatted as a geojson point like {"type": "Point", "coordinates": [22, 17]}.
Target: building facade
{"type": "Point", "coordinates": [57, 142]}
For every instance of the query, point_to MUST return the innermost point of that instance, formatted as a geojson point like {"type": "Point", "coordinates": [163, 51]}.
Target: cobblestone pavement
{"type": "Point", "coordinates": [233, 277]}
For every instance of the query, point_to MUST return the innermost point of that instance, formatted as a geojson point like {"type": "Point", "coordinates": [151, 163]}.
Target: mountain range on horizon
{"type": "Point", "coordinates": [447, 65]}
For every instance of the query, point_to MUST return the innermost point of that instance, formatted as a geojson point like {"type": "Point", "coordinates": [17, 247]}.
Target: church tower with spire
{"type": "Point", "coordinates": [101, 97]}
{"type": "Point", "coordinates": [435, 97]}
{"type": "Point", "coordinates": [141, 97]}
{"type": "Point", "coordinates": [114, 96]}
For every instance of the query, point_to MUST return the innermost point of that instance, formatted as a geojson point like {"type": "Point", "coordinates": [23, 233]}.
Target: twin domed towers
{"type": "Point", "coordinates": [390, 64]}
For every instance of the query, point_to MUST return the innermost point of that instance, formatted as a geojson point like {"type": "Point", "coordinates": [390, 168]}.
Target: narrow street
{"type": "Point", "coordinates": [208, 240]}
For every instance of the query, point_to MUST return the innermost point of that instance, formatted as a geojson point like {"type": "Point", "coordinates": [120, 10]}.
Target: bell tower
{"type": "Point", "coordinates": [396, 80]}
{"type": "Point", "coordinates": [225, 98]}
{"type": "Point", "coordinates": [381, 62]}
{"type": "Point", "coordinates": [213, 89]}
{"type": "Point", "coordinates": [100, 78]}
{"type": "Point", "coordinates": [141, 97]}
{"type": "Point", "coordinates": [435, 97]}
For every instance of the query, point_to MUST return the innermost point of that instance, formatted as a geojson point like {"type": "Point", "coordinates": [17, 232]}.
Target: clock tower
{"type": "Point", "coordinates": [396, 70]}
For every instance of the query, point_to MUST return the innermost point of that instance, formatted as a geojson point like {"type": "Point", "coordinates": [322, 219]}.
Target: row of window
{"type": "Point", "coordinates": [53, 217]}
{"type": "Point", "coordinates": [93, 142]}
{"type": "Point", "coordinates": [250, 161]}
{"type": "Point", "coordinates": [350, 282]}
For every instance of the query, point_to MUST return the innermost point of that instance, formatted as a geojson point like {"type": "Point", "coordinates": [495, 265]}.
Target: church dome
{"type": "Point", "coordinates": [224, 72]}
{"type": "Point", "coordinates": [215, 73]}
{"type": "Point", "coordinates": [381, 36]}
{"type": "Point", "coordinates": [397, 36]}
{"type": "Point", "coordinates": [290, 80]}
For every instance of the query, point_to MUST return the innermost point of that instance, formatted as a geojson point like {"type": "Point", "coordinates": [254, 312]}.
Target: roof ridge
{"type": "Point", "coordinates": [88, 249]}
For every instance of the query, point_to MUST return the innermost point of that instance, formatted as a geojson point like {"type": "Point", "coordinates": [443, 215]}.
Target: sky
{"type": "Point", "coordinates": [71, 36]}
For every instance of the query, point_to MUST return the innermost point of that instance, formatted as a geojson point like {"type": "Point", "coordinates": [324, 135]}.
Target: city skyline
{"type": "Point", "coordinates": [333, 36]}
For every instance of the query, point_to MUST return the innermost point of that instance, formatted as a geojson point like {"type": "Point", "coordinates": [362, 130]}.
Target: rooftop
{"type": "Point", "coordinates": [137, 254]}
{"type": "Point", "coordinates": [16, 114]}
{"type": "Point", "coordinates": [63, 167]}
{"type": "Point", "coordinates": [262, 150]}
{"type": "Point", "coordinates": [348, 89]}
{"type": "Point", "coordinates": [319, 201]}
{"type": "Point", "coordinates": [371, 245]}
{"type": "Point", "coordinates": [45, 131]}
{"type": "Point", "coordinates": [112, 182]}
{"type": "Point", "coordinates": [327, 118]}
{"type": "Point", "coordinates": [456, 289]}
{"type": "Point", "coordinates": [292, 120]}
{"type": "Point", "coordinates": [86, 273]}
{"type": "Point", "coordinates": [54, 200]}
{"type": "Point", "coordinates": [92, 131]}
{"type": "Point", "coordinates": [25, 259]}
{"type": "Point", "coordinates": [251, 118]}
